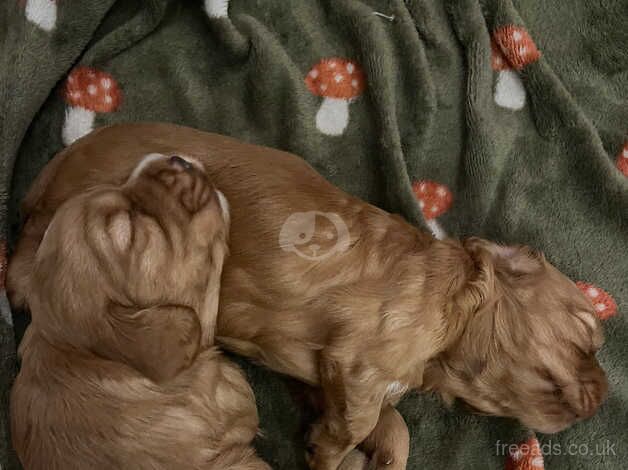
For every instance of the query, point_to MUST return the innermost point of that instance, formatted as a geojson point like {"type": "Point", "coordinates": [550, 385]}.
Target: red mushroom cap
{"type": "Point", "coordinates": [604, 305]}
{"type": "Point", "coordinates": [622, 160]}
{"type": "Point", "coordinates": [434, 198]}
{"type": "Point", "coordinates": [516, 45]}
{"type": "Point", "coordinates": [92, 89]}
{"type": "Point", "coordinates": [526, 456]}
{"type": "Point", "coordinates": [336, 77]}
{"type": "Point", "coordinates": [498, 60]}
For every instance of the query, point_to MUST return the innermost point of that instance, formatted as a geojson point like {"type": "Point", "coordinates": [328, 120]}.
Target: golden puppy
{"type": "Point", "coordinates": [344, 296]}
{"type": "Point", "coordinates": [122, 293]}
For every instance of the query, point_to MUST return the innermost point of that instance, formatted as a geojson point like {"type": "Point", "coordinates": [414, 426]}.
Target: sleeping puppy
{"type": "Point", "coordinates": [123, 291]}
{"type": "Point", "coordinates": [355, 301]}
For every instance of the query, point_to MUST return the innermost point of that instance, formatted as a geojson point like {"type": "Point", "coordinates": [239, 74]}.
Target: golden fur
{"type": "Point", "coordinates": [114, 370]}
{"type": "Point", "coordinates": [392, 309]}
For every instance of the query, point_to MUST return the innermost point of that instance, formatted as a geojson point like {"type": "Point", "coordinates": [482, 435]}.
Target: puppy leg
{"type": "Point", "coordinates": [388, 445]}
{"type": "Point", "coordinates": [352, 403]}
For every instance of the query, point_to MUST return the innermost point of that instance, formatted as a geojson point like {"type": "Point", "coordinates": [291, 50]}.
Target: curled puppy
{"type": "Point", "coordinates": [353, 300]}
{"type": "Point", "coordinates": [123, 292]}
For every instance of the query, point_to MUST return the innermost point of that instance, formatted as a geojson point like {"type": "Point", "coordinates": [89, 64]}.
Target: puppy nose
{"type": "Point", "coordinates": [586, 395]}
{"type": "Point", "coordinates": [176, 160]}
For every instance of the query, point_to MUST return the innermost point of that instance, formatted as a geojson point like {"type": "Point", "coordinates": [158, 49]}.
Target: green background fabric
{"type": "Point", "coordinates": [544, 175]}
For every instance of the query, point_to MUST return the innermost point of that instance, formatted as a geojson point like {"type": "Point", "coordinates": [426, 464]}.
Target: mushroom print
{"type": "Point", "coordinates": [512, 49]}
{"type": "Point", "coordinates": [87, 91]}
{"type": "Point", "coordinates": [604, 305]}
{"type": "Point", "coordinates": [525, 456]}
{"type": "Point", "coordinates": [434, 199]}
{"type": "Point", "coordinates": [338, 81]}
{"type": "Point", "coordinates": [216, 8]}
{"type": "Point", "coordinates": [43, 13]}
{"type": "Point", "coordinates": [622, 160]}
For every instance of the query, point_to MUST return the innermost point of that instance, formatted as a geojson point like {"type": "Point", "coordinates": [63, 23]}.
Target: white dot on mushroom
{"type": "Point", "coordinates": [421, 203]}
{"type": "Point", "coordinates": [338, 78]}
{"type": "Point", "coordinates": [422, 187]}
{"type": "Point", "coordinates": [434, 209]}
{"type": "Point", "coordinates": [314, 73]}
{"type": "Point", "coordinates": [91, 89]}
{"type": "Point", "coordinates": [517, 36]}
{"type": "Point", "coordinates": [350, 67]}
{"type": "Point", "coordinates": [108, 99]}
{"type": "Point", "coordinates": [323, 87]}
{"type": "Point", "coordinates": [592, 292]}
{"type": "Point", "coordinates": [441, 191]}
{"type": "Point", "coordinates": [106, 83]}
{"type": "Point", "coordinates": [625, 153]}
{"type": "Point", "coordinates": [523, 50]}
{"type": "Point", "coordinates": [600, 307]}
{"type": "Point", "coordinates": [332, 65]}
{"type": "Point", "coordinates": [354, 83]}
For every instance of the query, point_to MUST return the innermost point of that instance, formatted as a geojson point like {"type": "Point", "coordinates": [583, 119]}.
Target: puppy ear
{"type": "Point", "coordinates": [516, 259]}
{"type": "Point", "coordinates": [159, 341]}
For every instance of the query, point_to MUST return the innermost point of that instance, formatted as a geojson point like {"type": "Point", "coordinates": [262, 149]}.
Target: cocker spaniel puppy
{"type": "Point", "coordinates": [123, 295]}
{"type": "Point", "coordinates": [357, 302]}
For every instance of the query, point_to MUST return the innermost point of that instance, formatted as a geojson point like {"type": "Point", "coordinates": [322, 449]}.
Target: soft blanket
{"type": "Point", "coordinates": [506, 119]}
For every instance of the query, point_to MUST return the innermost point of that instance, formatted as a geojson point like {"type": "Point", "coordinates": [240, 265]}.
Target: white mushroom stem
{"type": "Point", "coordinates": [217, 8]}
{"type": "Point", "coordinates": [438, 231]}
{"type": "Point", "coordinates": [78, 122]}
{"type": "Point", "coordinates": [333, 116]}
{"type": "Point", "coordinates": [509, 90]}
{"type": "Point", "coordinates": [42, 12]}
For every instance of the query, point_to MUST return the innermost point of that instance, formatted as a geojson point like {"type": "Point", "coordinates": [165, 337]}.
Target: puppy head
{"type": "Point", "coordinates": [114, 257]}
{"type": "Point", "coordinates": [527, 343]}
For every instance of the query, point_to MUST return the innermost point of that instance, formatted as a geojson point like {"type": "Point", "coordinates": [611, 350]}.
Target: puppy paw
{"type": "Point", "coordinates": [320, 452]}
{"type": "Point", "coordinates": [385, 461]}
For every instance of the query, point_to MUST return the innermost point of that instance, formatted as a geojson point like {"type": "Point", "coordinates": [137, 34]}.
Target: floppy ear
{"type": "Point", "coordinates": [516, 259]}
{"type": "Point", "coordinates": [158, 341]}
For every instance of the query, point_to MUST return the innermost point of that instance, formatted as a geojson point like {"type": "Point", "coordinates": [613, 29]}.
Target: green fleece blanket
{"type": "Point", "coordinates": [501, 118]}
